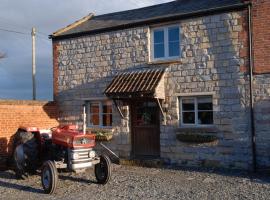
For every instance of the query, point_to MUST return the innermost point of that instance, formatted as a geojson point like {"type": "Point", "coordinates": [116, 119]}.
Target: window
{"type": "Point", "coordinates": [165, 43]}
{"type": "Point", "coordinates": [100, 113]}
{"type": "Point", "coordinates": [196, 110]}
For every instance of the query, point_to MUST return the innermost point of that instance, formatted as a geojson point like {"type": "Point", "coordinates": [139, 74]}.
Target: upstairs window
{"type": "Point", "coordinates": [196, 111]}
{"type": "Point", "coordinates": [100, 114]}
{"type": "Point", "coordinates": [165, 43]}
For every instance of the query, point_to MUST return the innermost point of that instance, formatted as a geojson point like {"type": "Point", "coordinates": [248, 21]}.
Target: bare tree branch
{"type": "Point", "coordinates": [2, 55]}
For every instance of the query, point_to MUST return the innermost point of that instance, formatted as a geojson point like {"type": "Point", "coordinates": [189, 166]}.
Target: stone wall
{"type": "Point", "coordinates": [262, 119]}
{"type": "Point", "coordinates": [213, 62]}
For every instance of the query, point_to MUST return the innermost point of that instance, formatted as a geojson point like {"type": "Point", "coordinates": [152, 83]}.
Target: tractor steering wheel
{"type": "Point", "coordinates": [54, 128]}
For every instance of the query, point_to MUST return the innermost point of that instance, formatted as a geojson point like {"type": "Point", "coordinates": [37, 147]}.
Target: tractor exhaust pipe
{"type": "Point", "coordinates": [84, 119]}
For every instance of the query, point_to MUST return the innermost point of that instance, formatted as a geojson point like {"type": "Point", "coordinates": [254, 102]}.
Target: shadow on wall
{"type": "Point", "coordinates": [3, 153]}
{"type": "Point", "coordinates": [92, 85]}
{"type": "Point", "coordinates": [262, 127]}
{"type": "Point", "coordinates": [51, 109]}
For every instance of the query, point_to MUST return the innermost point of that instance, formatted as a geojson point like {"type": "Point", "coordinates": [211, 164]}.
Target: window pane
{"type": "Point", "coordinates": [107, 119]}
{"type": "Point", "coordinates": [188, 104]}
{"type": "Point", "coordinates": [205, 117]}
{"type": "Point", "coordinates": [159, 36]}
{"type": "Point", "coordinates": [174, 34]}
{"type": "Point", "coordinates": [189, 117]}
{"type": "Point", "coordinates": [159, 51]}
{"type": "Point", "coordinates": [205, 106]}
{"type": "Point", "coordinates": [205, 103]}
{"type": "Point", "coordinates": [205, 99]}
{"type": "Point", "coordinates": [146, 113]}
{"type": "Point", "coordinates": [174, 49]}
{"type": "Point", "coordinates": [174, 44]}
{"type": "Point", "coordinates": [94, 120]}
{"type": "Point", "coordinates": [94, 108]}
{"type": "Point", "coordinates": [107, 108]}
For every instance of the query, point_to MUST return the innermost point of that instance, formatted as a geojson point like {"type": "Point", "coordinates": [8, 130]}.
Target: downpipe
{"type": "Point", "coordinates": [253, 135]}
{"type": "Point", "coordinates": [84, 119]}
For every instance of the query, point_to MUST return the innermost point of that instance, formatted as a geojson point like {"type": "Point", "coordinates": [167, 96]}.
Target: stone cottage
{"type": "Point", "coordinates": [184, 82]}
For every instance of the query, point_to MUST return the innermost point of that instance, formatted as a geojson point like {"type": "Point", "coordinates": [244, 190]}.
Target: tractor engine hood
{"type": "Point", "coordinates": [70, 137]}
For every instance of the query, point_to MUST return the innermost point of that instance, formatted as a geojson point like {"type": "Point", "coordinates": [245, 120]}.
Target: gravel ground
{"type": "Point", "coordinates": [143, 183]}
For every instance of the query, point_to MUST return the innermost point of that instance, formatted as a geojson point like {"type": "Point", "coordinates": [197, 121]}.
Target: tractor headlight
{"type": "Point", "coordinates": [92, 154]}
{"type": "Point", "coordinates": [75, 156]}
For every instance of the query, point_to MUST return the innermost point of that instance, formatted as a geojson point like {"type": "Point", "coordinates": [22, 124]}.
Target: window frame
{"type": "Point", "coordinates": [166, 43]}
{"type": "Point", "coordinates": [196, 110]}
{"type": "Point", "coordinates": [101, 103]}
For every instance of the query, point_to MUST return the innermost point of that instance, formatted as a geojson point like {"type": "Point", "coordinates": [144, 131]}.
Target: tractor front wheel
{"type": "Point", "coordinates": [103, 170]}
{"type": "Point", "coordinates": [49, 177]}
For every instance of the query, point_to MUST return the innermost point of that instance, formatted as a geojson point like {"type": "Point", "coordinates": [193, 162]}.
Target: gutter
{"type": "Point", "coordinates": [251, 66]}
{"type": "Point", "coordinates": [152, 21]}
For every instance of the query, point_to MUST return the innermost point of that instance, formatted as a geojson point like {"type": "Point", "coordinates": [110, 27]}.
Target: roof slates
{"type": "Point", "coordinates": [165, 10]}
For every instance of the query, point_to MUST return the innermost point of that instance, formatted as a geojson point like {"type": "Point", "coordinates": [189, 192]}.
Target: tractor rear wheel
{"type": "Point", "coordinates": [25, 154]}
{"type": "Point", "coordinates": [103, 170]}
{"type": "Point", "coordinates": [49, 177]}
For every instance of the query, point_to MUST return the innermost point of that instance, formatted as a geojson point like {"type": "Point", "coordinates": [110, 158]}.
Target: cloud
{"type": "Point", "coordinates": [48, 16]}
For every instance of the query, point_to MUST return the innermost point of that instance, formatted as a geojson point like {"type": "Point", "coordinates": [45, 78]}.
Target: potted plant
{"type": "Point", "coordinates": [103, 135]}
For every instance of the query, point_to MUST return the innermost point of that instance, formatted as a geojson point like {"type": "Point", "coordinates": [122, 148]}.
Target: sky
{"type": "Point", "coordinates": [47, 16]}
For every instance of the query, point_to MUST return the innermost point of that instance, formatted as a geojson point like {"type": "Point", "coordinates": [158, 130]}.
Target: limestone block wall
{"type": "Point", "coordinates": [262, 119]}
{"type": "Point", "coordinates": [213, 61]}
{"type": "Point", "coordinates": [86, 65]}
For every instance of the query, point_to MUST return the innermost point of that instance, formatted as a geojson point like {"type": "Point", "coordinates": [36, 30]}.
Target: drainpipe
{"type": "Point", "coordinates": [251, 65]}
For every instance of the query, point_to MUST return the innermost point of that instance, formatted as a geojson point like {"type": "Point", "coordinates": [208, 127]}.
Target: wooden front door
{"type": "Point", "coordinates": [145, 129]}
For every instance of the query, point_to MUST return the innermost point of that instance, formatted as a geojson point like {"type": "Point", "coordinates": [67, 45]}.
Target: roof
{"type": "Point", "coordinates": [137, 83]}
{"type": "Point", "coordinates": [146, 15]}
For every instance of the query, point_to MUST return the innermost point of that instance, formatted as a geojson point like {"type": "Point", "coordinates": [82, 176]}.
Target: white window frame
{"type": "Point", "coordinates": [100, 103]}
{"type": "Point", "coordinates": [195, 98]}
{"type": "Point", "coordinates": [166, 43]}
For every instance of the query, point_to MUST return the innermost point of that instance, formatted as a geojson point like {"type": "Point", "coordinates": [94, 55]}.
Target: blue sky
{"type": "Point", "coordinates": [47, 16]}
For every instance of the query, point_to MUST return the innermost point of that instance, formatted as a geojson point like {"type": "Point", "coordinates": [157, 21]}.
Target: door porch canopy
{"type": "Point", "coordinates": [145, 83]}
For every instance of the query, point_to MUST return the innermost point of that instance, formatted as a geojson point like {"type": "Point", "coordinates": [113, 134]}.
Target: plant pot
{"type": "Point", "coordinates": [196, 138]}
{"type": "Point", "coordinates": [104, 137]}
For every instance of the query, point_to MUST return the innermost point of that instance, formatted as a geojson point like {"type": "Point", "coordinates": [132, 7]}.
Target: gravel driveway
{"type": "Point", "coordinates": [143, 183]}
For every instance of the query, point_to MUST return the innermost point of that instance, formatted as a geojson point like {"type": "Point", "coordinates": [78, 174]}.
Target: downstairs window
{"type": "Point", "coordinates": [99, 114]}
{"type": "Point", "coordinates": [196, 111]}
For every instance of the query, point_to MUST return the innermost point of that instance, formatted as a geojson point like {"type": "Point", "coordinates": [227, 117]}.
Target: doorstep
{"type": "Point", "coordinates": [151, 163]}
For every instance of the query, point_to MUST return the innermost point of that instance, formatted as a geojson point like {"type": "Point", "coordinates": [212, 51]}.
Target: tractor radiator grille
{"type": "Point", "coordinates": [81, 158]}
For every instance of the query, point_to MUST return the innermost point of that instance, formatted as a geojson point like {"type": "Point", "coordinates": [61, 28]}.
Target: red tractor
{"type": "Point", "coordinates": [63, 148]}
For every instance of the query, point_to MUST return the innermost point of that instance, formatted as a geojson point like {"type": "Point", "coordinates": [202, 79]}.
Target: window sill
{"type": "Point", "coordinates": [167, 61]}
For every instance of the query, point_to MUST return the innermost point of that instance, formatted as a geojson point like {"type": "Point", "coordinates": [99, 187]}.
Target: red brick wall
{"type": "Point", "coordinates": [23, 113]}
{"type": "Point", "coordinates": [261, 35]}
{"type": "Point", "coordinates": [55, 68]}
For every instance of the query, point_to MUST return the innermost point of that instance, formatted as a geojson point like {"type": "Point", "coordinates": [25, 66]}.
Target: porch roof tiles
{"type": "Point", "coordinates": [142, 83]}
